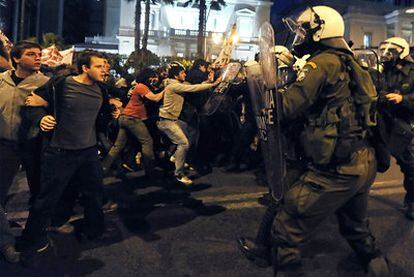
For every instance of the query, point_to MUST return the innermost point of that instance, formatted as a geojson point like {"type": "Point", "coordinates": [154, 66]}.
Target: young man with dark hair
{"type": "Point", "coordinates": [19, 140]}
{"type": "Point", "coordinates": [170, 111]}
{"type": "Point", "coordinates": [77, 108]}
{"type": "Point", "coordinates": [20, 48]}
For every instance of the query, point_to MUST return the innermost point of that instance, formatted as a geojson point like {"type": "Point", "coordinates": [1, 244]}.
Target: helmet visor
{"type": "Point", "coordinates": [296, 29]}
{"type": "Point", "coordinates": [389, 51]}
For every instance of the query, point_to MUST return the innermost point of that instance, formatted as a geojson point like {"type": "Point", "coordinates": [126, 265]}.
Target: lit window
{"type": "Point", "coordinates": [367, 40]}
{"type": "Point", "coordinates": [245, 26]}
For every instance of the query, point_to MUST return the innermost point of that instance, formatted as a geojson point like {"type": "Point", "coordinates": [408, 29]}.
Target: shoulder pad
{"type": "Point", "coordinates": [312, 64]}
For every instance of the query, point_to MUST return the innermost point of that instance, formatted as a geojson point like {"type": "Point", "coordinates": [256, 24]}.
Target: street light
{"type": "Point", "coordinates": [235, 38]}
{"type": "Point", "coordinates": [217, 38]}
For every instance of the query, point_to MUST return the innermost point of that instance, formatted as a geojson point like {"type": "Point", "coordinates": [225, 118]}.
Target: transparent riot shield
{"type": "Point", "coordinates": [229, 76]}
{"type": "Point", "coordinates": [269, 116]}
{"type": "Point", "coordinates": [369, 59]}
{"type": "Point", "coordinates": [257, 88]}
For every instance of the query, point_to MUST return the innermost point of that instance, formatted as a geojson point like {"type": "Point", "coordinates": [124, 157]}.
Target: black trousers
{"type": "Point", "coordinates": [58, 168]}
{"type": "Point", "coordinates": [11, 157]}
{"type": "Point", "coordinates": [406, 163]}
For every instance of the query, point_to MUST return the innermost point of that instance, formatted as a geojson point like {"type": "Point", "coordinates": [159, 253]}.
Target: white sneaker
{"type": "Point", "coordinates": [64, 229]}
{"type": "Point", "coordinates": [184, 180]}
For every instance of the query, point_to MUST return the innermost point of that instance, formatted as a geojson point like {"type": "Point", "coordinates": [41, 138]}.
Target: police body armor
{"type": "Point", "coordinates": [398, 122]}
{"type": "Point", "coordinates": [337, 124]}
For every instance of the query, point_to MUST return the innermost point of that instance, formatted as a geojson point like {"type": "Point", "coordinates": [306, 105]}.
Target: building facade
{"type": "Point", "coordinates": [173, 28]}
{"type": "Point", "coordinates": [367, 22]}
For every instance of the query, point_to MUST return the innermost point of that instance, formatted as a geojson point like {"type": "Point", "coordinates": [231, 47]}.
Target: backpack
{"type": "Point", "coordinates": [362, 89]}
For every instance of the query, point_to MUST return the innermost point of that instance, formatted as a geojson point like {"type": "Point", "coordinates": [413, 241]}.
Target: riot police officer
{"type": "Point", "coordinates": [397, 109]}
{"type": "Point", "coordinates": [342, 165]}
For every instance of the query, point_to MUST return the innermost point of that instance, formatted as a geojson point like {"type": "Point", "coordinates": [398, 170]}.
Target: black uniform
{"type": "Point", "coordinates": [399, 121]}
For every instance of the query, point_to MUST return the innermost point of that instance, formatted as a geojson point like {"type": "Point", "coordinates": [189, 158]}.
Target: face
{"type": "Point", "coordinates": [29, 60]}
{"type": "Point", "coordinates": [107, 67]}
{"type": "Point", "coordinates": [389, 53]}
{"type": "Point", "coordinates": [203, 68]}
{"type": "Point", "coordinates": [154, 80]}
{"type": "Point", "coordinates": [96, 71]}
{"type": "Point", "coordinates": [181, 76]}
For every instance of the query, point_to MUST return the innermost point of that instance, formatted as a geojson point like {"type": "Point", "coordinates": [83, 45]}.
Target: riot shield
{"type": "Point", "coordinates": [268, 113]}
{"type": "Point", "coordinates": [369, 59]}
{"type": "Point", "coordinates": [218, 95]}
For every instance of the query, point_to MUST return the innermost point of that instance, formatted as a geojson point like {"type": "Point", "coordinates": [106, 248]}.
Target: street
{"type": "Point", "coordinates": [167, 232]}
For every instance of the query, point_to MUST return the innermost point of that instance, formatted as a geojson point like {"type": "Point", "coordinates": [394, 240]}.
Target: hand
{"type": "Point", "coordinates": [47, 123]}
{"type": "Point", "coordinates": [116, 102]}
{"type": "Point", "coordinates": [211, 76]}
{"type": "Point", "coordinates": [34, 100]}
{"type": "Point", "coordinates": [130, 91]}
{"type": "Point", "coordinates": [116, 113]}
{"type": "Point", "coordinates": [218, 81]}
{"type": "Point", "coordinates": [394, 97]}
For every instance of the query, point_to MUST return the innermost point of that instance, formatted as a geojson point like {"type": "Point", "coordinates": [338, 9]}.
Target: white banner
{"type": "Point", "coordinates": [52, 57]}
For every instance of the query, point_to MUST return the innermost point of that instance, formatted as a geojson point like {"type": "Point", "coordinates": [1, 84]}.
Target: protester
{"type": "Point", "coordinates": [77, 108]}
{"type": "Point", "coordinates": [169, 113]}
{"type": "Point", "coordinates": [132, 120]}
{"type": "Point", "coordinates": [189, 120]}
{"type": "Point", "coordinates": [4, 58]}
{"type": "Point", "coordinates": [19, 140]}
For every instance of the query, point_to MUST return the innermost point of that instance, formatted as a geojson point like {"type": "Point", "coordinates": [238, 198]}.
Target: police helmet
{"type": "Point", "coordinates": [394, 48]}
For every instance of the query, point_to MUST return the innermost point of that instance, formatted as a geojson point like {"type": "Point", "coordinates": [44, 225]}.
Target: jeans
{"type": "Point", "coordinates": [58, 168]}
{"type": "Point", "coordinates": [136, 127]}
{"type": "Point", "coordinates": [173, 131]}
{"type": "Point", "coordinates": [6, 236]}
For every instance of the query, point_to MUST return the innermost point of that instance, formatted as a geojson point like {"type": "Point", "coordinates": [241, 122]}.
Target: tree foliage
{"type": "Point", "coordinates": [142, 58]}
{"type": "Point", "coordinates": [202, 18]}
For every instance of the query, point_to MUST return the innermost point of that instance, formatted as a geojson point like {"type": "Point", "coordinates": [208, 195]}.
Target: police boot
{"type": "Point", "coordinates": [409, 211]}
{"type": "Point", "coordinates": [374, 262]}
{"type": "Point", "coordinates": [379, 267]}
{"type": "Point", "coordinates": [259, 254]}
{"type": "Point", "coordinates": [287, 270]}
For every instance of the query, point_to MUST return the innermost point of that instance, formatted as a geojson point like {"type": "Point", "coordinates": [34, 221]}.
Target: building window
{"type": "Point", "coordinates": [407, 31]}
{"type": "Point", "coordinates": [245, 22]}
{"type": "Point", "coordinates": [390, 30]}
{"type": "Point", "coordinates": [245, 26]}
{"type": "Point", "coordinates": [367, 40]}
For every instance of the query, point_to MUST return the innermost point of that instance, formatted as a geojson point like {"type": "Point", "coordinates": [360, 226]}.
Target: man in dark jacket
{"type": "Point", "coordinates": [77, 107]}
{"type": "Point", "coordinates": [190, 115]}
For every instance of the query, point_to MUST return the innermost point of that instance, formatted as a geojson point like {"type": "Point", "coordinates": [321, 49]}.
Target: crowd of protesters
{"type": "Point", "coordinates": [69, 127]}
